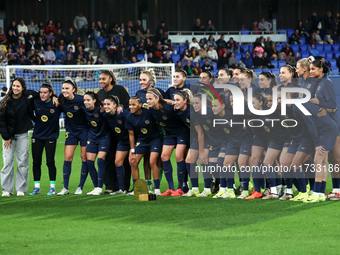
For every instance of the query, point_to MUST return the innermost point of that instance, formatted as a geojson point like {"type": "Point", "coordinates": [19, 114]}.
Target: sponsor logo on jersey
{"type": "Point", "coordinates": [188, 121]}
{"type": "Point", "coordinates": [145, 106]}
{"type": "Point", "coordinates": [69, 114]}
{"type": "Point", "coordinates": [93, 123]}
{"type": "Point", "coordinates": [117, 129]}
{"type": "Point", "coordinates": [44, 118]}
{"type": "Point", "coordinates": [88, 142]}
{"type": "Point", "coordinates": [137, 144]}
{"type": "Point", "coordinates": [76, 107]}
{"type": "Point", "coordinates": [144, 131]}
{"type": "Point", "coordinates": [51, 110]}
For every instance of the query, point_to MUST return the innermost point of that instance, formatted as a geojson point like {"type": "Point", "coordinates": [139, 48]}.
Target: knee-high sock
{"type": "Point", "coordinates": [83, 174]}
{"type": "Point", "coordinates": [271, 176]}
{"type": "Point", "coordinates": [193, 174]}
{"type": "Point", "coordinates": [245, 177]}
{"type": "Point", "coordinates": [157, 183]}
{"type": "Point", "coordinates": [66, 173]}
{"type": "Point", "coordinates": [101, 172]}
{"type": "Point", "coordinates": [222, 174]}
{"type": "Point", "coordinates": [257, 177]}
{"type": "Point", "coordinates": [167, 167]}
{"type": "Point", "coordinates": [300, 177]}
{"type": "Point", "coordinates": [92, 172]}
{"type": "Point", "coordinates": [181, 171]}
{"type": "Point", "coordinates": [206, 176]}
{"type": "Point", "coordinates": [120, 176]}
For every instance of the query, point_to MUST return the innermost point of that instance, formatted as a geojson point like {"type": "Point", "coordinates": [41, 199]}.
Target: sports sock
{"type": "Point", "coordinates": [245, 177]}
{"type": "Point", "coordinates": [37, 184]}
{"type": "Point", "coordinates": [120, 176]}
{"type": "Point", "coordinates": [323, 187]}
{"type": "Point", "coordinates": [222, 174]}
{"type": "Point", "coordinates": [317, 187]}
{"type": "Point", "coordinates": [193, 174]}
{"type": "Point", "coordinates": [230, 183]}
{"type": "Point", "coordinates": [300, 176]}
{"type": "Point", "coordinates": [83, 174]}
{"type": "Point", "coordinates": [168, 173]}
{"type": "Point", "coordinates": [52, 184]}
{"type": "Point", "coordinates": [92, 172]}
{"type": "Point", "coordinates": [66, 173]}
{"type": "Point", "coordinates": [311, 183]}
{"type": "Point", "coordinates": [273, 190]}
{"type": "Point", "coordinates": [336, 183]}
{"type": "Point", "coordinates": [296, 184]}
{"type": "Point", "coordinates": [181, 170]}
{"type": "Point", "coordinates": [157, 183]}
{"type": "Point", "coordinates": [101, 172]}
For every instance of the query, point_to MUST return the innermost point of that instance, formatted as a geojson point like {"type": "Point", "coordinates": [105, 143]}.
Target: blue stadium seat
{"type": "Point", "coordinates": [201, 63]}
{"type": "Point", "coordinates": [281, 64]}
{"type": "Point", "coordinates": [303, 48]}
{"type": "Point", "coordinates": [332, 62]}
{"type": "Point", "coordinates": [175, 57]}
{"type": "Point", "coordinates": [243, 55]}
{"type": "Point", "coordinates": [335, 70]}
{"type": "Point", "coordinates": [182, 48]}
{"type": "Point", "coordinates": [19, 72]}
{"type": "Point", "coordinates": [327, 48]}
{"type": "Point", "coordinates": [303, 39]}
{"type": "Point", "coordinates": [140, 57]}
{"type": "Point", "coordinates": [266, 70]}
{"type": "Point", "coordinates": [238, 56]}
{"type": "Point", "coordinates": [319, 47]}
{"type": "Point", "coordinates": [329, 56]}
{"type": "Point", "coordinates": [281, 31]}
{"type": "Point", "coordinates": [257, 72]}
{"type": "Point", "coordinates": [244, 31]}
{"type": "Point", "coordinates": [335, 47]}
{"type": "Point", "coordinates": [278, 47]}
{"type": "Point", "coordinates": [274, 63]}
{"type": "Point", "coordinates": [304, 54]}
{"type": "Point", "coordinates": [290, 32]}
{"type": "Point", "coordinates": [101, 43]}
{"type": "Point", "coordinates": [214, 65]}
{"type": "Point", "coordinates": [276, 72]}
{"type": "Point", "coordinates": [244, 48]}
{"type": "Point", "coordinates": [176, 48]}
{"type": "Point", "coordinates": [295, 47]}
{"type": "Point", "coordinates": [322, 54]}
{"type": "Point", "coordinates": [214, 72]}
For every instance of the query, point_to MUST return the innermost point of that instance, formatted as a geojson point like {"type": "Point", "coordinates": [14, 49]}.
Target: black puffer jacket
{"type": "Point", "coordinates": [8, 117]}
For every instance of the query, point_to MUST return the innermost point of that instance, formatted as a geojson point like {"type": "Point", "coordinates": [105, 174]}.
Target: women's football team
{"type": "Point", "coordinates": [274, 154]}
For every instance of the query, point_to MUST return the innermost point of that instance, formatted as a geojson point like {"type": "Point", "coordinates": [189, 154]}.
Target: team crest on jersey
{"type": "Point", "coordinates": [117, 129]}
{"type": "Point", "coordinates": [208, 121]}
{"type": "Point", "coordinates": [147, 122]}
{"type": "Point", "coordinates": [76, 107]}
{"type": "Point", "coordinates": [44, 118]}
{"type": "Point", "coordinates": [95, 115]}
{"type": "Point", "coordinates": [205, 127]}
{"type": "Point", "coordinates": [144, 131]}
{"type": "Point", "coordinates": [51, 110]}
{"type": "Point", "coordinates": [165, 118]}
{"type": "Point", "coordinates": [267, 129]}
{"type": "Point", "coordinates": [308, 86]}
{"type": "Point", "coordinates": [93, 123]}
{"type": "Point", "coordinates": [188, 121]}
{"type": "Point", "coordinates": [162, 124]}
{"type": "Point", "coordinates": [69, 114]}
{"type": "Point", "coordinates": [119, 121]}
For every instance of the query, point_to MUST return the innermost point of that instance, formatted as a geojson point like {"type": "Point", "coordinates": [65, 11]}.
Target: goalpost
{"type": "Point", "coordinates": [87, 76]}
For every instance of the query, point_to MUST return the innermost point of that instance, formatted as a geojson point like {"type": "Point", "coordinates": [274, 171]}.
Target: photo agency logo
{"type": "Point", "coordinates": [239, 106]}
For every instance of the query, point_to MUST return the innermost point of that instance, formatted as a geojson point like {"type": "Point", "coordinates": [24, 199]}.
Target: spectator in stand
{"type": "Point", "coordinates": [60, 36]}
{"type": "Point", "coordinates": [139, 36]}
{"type": "Point", "coordinates": [266, 61]}
{"type": "Point", "coordinates": [22, 27]}
{"type": "Point", "coordinates": [232, 45]}
{"type": "Point", "coordinates": [151, 58]}
{"type": "Point", "coordinates": [247, 60]}
{"type": "Point", "coordinates": [132, 53]}
{"type": "Point", "coordinates": [223, 59]}
{"type": "Point", "coordinates": [28, 35]}
{"type": "Point", "coordinates": [318, 38]}
{"type": "Point", "coordinates": [60, 55]}
{"type": "Point", "coordinates": [197, 26]}
{"type": "Point", "coordinates": [207, 66]}
{"type": "Point", "coordinates": [121, 42]}
{"type": "Point", "coordinates": [258, 60]}
{"type": "Point", "coordinates": [211, 42]}
{"type": "Point", "coordinates": [297, 56]}
{"type": "Point", "coordinates": [80, 24]}
{"type": "Point", "coordinates": [302, 29]}
{"type": "Point", "coordinates": [93, 33]}
{"type": "Point", "coordinates": [221, 43]}
{"type": "Point", "coordinates": [3, 38]}
{"type": "Point", "coordinates": [138, 26]}
{"type": "Point", "coordinates": [80, 51]}
{"type": "Point", "coordinates": [13, 27]}
{"type": "Point", "coordinates": [22, 37]}
{"type": "Point", "coordinates": [47, 77]}
{"type": "Point", "coordinates": [42, 34]}
{"type": "Point", "coordinates": [141, 47]}
{"type": "Point", "coordinates": [202, 54]}
{"type": "Point", "coordinates": [57, 76]}
{"type": "Point", "coordinates": [212, 54]}
{"type": "Point", "coordinates": [209, 26]}
{"type": "Point", "coordinates": [158, 52]}
{"type": "Point", "coordinates": [71, 46]}
{"type": "Point", "coordinates": [287, 49]}
{"type": "Point", "coordinates": [19, 45]}
{"type": "Point", "coordinates": [254, 27]}
{"type": "Point", "coordinates": [90, 59]}
{"type": "Point", "coordinates": [314, 22]}
{"type": "Point", "coordinates": [188, 68]}
{"type": "Point", "coordinates": [313, 52]}
{"type": "Point", "coordinates": [265, 25]}
{"type": "Point", "coordinates": [111, 49]}
{"type": "Point", "coordinates": [30, 53]}
{"type": "Point", "coordinates": [122, 56]}
{"type": "Point", "coordinates": [99, 61]}
{"type": "Point", "coordinates": [312, 38]}
{"type": "Point", "coordinates": [79, 77]}
{"type": "Point", "coordinates": [3, 92]}
{"type": "Point", "coordinates": [290, 59]}
{"type": "Point", "coordinates": [178, 66]}
{"type": "Point", "coordinates": [71, 36]}
{"type": "Point", "coordinates": [197, 69]}
{"type": "Point", "coordinates": [53, 45]}
{"type": "Point", "coordinates": [268, 46]}
{"type": "Point", "coordinates": [49, 55]}
{"type": "Point", "coordinates": [11, 39]}
{"type": "Point", "coordinates": [49, 37]}
{"type": "Point", "coordinates": [232, 62]}
{"type": "Point", "coordinates": [201, 43]}
{"type": "Point", "coordinates": [186, 55]}
{"type": "Point", "coordinates": [21, 57]}
{"type": "Point", "coordinates": [195, 44]}
{"type": "Point", "coordinates": [50, 27]}
{"type": "Point", "coordinates": [33, 27]}
{"type": "Point", "coordinates": [69, 60]}
{"type": "Point", "coordinates": [295, 38]}
{"type": "Point", "coordinates": [30, 44]}
{"type": "Point", "coordinates": [130, 37]}
{"type": "Point", "coordinates": [167, 58]}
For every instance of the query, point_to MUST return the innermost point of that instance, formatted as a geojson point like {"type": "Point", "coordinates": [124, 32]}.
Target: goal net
{"type": "Point", "coordinates": [86, 76]}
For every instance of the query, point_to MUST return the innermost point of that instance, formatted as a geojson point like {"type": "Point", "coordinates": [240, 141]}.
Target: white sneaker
{"type": "Point", "coordinates": [243, 195]}
{"type": "Point", "coordinates": [228, 194]}
{"type": "Point", "coordinates": [157, 192]}
{"type": "Point", "coordinates": [63, 192]}
{"type": "Point", "coordinates": [205, 193]}
{"type": "Point", "coordinates": [118, 192]}
{"type": "Point", "coordinates": [96, 192]}
{"type": "Point", "coordinates": [191, 193]}
{"type": "Point", "coordinates": [79, 191]}
{"type": "Point", "coordinates": [6, 194]}
{"type": "Point", "coordinates": [130, 193]}
{"type": "Point", "coordinates": [20, 194]}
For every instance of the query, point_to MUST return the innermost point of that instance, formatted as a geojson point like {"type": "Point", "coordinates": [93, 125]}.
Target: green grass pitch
{"type": "Point", "coordinates": [122, 225]}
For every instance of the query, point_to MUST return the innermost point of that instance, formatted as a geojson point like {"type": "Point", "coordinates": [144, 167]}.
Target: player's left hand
{"type": "Point", "coordinates": [315, 100]}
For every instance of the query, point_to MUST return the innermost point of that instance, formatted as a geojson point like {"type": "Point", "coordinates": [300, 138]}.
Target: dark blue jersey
{"type": "Point", "coordinates": [256, 126]}
{"type": "Point", "coordinates": [316, 126]}
{"type": "Point", "coordinates": [168, 120]}
{"type": "Point", "coordinates": [171, 91]}
{"type": "Point", "coordinates": [116, 124]}
{"type": "Point", "coordinates": [267, 91]}
{"type": "Point", "coordinates": [185, 115]}
{"type": "Point", "coordinates": [97, 123]}
{"type": "Point", "coordinates": [291, 84]}
{"type": "Point", "coordinates": [237, 126]}
{"type": "Point", "coordinates": [299, 131]}
{"type": "Point", "coordinates": [143, 125]}
{"type": "Point", "coordinates": [142, 94]}
{"type": "Point", "coordinates": [310, 84]}
{"type": "Point", "coordinates": [277, 132]}
{"type": "Point", "coordinates": [46, 120]}
{"type": "Point", "coordinates": [75, 117]}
